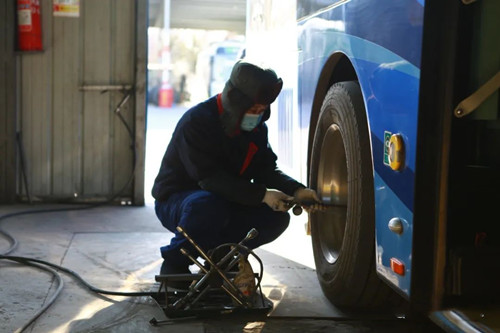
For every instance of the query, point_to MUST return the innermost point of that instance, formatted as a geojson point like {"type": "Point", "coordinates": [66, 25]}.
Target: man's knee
{"type": "Point", "coordinates": [276, 224]}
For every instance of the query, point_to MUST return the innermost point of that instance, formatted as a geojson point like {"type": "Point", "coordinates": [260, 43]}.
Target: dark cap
{"type": "Point", "coordinates": [260, 85]}
{"type": "Point", "coordinates": [247, 85]}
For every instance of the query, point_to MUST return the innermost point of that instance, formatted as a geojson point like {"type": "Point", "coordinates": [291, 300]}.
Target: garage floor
{"type": "Point", "coordinates": [117, 248]}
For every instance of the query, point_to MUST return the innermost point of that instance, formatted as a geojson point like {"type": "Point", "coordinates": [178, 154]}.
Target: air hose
{"type": "Point", "coordinates": [45, 265]}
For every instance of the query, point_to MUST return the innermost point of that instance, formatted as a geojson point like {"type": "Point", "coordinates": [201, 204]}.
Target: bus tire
{"type": "Point", "coordinates": [343, 237]}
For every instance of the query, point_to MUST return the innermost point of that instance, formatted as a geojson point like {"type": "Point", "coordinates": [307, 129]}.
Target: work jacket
{"type": "Point", "coordinates": [201, 156]}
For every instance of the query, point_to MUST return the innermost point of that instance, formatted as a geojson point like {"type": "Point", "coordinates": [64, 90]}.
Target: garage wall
{"type": "Point", "coordinates": [7, 103]}
{"type": "Point", "coordinates": [75, 145]}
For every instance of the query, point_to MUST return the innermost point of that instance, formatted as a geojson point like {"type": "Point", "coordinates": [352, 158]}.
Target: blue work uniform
{"type": "Point", "coordinates": [212, 184]}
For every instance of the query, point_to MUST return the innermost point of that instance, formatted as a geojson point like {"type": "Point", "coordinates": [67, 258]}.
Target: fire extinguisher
{"type": "Point", "coordinates": [29, 29]}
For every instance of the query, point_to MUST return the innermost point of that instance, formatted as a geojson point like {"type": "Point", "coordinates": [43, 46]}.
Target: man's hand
{"type": "Point", "coordinates": [277, 200]}
{"type": "Point", "coordinates": [308, 199]}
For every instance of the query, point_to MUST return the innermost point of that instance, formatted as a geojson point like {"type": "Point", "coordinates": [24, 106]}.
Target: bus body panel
{"type": "Point", "coordinates": [388, 72]}
{"type": "Point", "coordinates": [413, 70]}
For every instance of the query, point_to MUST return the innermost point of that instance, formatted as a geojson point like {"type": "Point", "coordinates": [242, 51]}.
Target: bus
{"type": "Point", "coordinates": [215, 63]}
{"type": "Point", "coordinates": [390, 111]}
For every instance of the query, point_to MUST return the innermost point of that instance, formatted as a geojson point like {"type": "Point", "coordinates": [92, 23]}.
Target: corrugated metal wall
{"type": "Point", "coordinates": [75, 146]}
{"type": "Point", "coordinates": [7, 103]}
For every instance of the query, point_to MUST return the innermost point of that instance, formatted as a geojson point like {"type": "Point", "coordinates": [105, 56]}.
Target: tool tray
{"type": "Point", "coordinates": [176, 303]}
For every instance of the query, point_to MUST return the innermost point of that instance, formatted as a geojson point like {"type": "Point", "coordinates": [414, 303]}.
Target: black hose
{"type": "Point", "coordinates": [247, 251]}
{"type": "Point", "coordinates": [13, 241]}
{"type": "Point", "coordinates": [39, 263]}
{"type": "Point", "coordinates": [60, 284]}
{"type": "Point", "coordinates": [32, 261]}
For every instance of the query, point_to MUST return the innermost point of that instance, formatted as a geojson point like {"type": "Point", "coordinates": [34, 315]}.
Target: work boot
{"type": "Point", "coordinates": [170, 269]}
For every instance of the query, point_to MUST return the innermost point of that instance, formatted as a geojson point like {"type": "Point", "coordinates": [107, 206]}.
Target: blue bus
{"type": "Point", "coordinates": [390, 110]}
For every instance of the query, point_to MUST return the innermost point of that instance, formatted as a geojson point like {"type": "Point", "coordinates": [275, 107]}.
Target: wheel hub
{"type": "Point", "coordinates": [332, 188]}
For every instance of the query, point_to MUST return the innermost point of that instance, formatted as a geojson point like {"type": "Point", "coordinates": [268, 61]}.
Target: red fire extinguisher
{"type": "Point", "coordinates": [29, 29]}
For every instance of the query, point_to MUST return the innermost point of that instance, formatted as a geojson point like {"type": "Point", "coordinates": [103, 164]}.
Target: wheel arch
{"type": "Point", "coordinates": [337, 68]}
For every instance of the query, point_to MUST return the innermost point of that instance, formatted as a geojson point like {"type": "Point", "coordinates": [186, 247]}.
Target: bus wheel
{"type": "Point", "coordinates": [341, 172]}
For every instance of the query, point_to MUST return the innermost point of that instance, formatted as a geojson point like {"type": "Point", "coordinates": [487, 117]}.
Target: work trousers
{"type": "Point", "coordinates": [212, 220]}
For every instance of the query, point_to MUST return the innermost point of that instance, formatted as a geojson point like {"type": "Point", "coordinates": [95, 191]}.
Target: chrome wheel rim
{"type": "Point", "coordinates": [332, 189]}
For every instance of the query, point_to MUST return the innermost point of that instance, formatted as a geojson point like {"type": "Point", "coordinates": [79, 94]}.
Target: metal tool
{"type": "Point", "coordinates": [231, 289]}
{"type": "Point", "coordinates": [297, 209]}
{"type": "Point", "coordinates": [212, 291]}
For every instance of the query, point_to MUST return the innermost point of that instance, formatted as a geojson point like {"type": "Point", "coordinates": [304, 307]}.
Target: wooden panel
{"type": "Point", "coordinates": [7, 103]}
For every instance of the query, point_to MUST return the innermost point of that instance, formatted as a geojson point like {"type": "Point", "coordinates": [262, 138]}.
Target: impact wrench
{"type": "Point", "coordinates": [297, 206]}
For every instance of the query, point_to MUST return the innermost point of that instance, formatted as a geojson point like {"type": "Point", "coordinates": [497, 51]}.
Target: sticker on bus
{"type": "Point", "coordinates": [387, 142]}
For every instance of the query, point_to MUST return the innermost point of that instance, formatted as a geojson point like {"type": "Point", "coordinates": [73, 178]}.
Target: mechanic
{"type": "Point", "coordinates": [218, 177]}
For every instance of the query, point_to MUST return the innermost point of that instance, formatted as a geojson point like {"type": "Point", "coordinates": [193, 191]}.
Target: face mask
{"type": "Point", "coordinates": [250, 121]}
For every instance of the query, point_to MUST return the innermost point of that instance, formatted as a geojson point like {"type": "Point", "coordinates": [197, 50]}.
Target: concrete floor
{"type": "Point", "coordinates": [117, 248]}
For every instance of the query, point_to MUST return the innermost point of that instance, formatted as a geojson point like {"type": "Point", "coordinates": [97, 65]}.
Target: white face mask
{"type": "Point", "coordinates": [250, 121]}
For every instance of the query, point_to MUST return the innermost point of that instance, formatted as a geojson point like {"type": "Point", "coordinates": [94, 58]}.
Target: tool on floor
{"type": "Point", "coordinates": [217, 289]}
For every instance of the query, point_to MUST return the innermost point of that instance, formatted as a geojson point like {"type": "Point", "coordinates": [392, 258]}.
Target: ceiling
{"type": "Point", "coordinates": [200, 14]}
